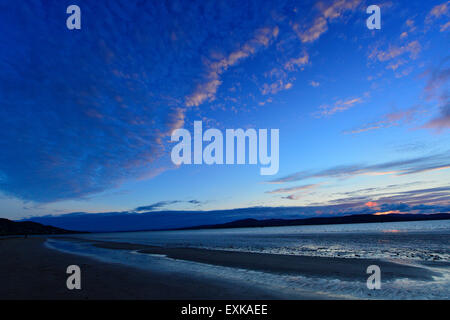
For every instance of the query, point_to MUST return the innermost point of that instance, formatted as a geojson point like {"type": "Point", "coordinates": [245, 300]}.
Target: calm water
{"type": "Point", "coordinates": [412, 243]}
{"type": "Point", "coordinates": [428, 240]}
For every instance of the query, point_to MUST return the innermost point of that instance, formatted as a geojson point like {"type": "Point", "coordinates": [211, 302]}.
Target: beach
{"type": "Point", "coordinates": [32, 270]}
{"type": "Point", "coordinates": [29, 270]}
{"type": "Point", "coordinates": [323, 267]}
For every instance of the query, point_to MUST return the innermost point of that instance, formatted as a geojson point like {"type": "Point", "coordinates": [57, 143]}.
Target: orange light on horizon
{"type": "Point", "coordinates": [391, 231]}
{"type": "Point", "coordinates": [387, 212]}
{"type": "Point", "coordinates": [380, 173]}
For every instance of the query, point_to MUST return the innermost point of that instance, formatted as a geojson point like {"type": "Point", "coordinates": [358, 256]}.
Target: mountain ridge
{"type": "Point", "coordinates": [350, 219]}
{"type": "Point", "coordinates": [9, 228]}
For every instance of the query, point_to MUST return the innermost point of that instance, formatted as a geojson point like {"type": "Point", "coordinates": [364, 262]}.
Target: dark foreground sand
{"type": "Point", "coordinates": [29, 270]}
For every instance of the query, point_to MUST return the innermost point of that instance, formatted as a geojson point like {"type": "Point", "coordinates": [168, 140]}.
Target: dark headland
{"type": "Point", "coordinates": [356, 218]}
{"type": "Point", "coordinates": [9, 228]}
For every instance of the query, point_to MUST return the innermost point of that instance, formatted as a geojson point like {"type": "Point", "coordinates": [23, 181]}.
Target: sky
{"type": "Point", "coordinates": [86, 115]}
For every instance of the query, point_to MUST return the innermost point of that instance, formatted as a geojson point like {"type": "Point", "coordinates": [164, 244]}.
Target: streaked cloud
{"type": "Point", "coordinates": [445, 27]}
{"type": "Point", "coordinates": [339, 106]}
{"type": "Point", "coordinates": [206, 91]}
{"type": "Point", "coordinates": [164, 204]}
{"type": "Point", "coordinates": [416, 200]}
{"type": "Point", "coordinates": [437, 90]}
{"type": "Point", "coordinates": [412, 49]}
{"type": "Point", "coordinates": [327, 12]}
{"type": "Point", "coordinates": [294, 189]}
{"type": "Point", "coordinates": [389, 120]}
{"type": "Point", "coordinates": [400, 167]}
{"type": "Point", "coordinates": [294, 63]}
{"type": "Point", "coordinates": [113, 221]}
{"type": "Point", "coordinates": [437, 12]}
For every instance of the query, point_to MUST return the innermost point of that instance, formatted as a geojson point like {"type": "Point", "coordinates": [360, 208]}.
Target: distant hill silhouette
{"type": "Point", "coordinates": [357, 218]}
{"type": "Point", "coordinates": [176, 220]}
{"type": "Point", "coordinates": [8, 227]}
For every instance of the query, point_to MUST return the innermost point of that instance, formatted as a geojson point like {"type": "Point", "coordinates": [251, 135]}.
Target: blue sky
{"type": "Point", "coordinates": [86, 115]}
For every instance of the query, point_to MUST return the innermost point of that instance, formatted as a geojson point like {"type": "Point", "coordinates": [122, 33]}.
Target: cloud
{"type": "Point", "coordinates": [445, 27]}
{"type": "Point", "coordinates": [434, 90]}
{"type": "Point", "coordinates": [318, 27]}
{"type": "Point", "coordinates": [85, 111]}
{"type": "Point", "coordinates": [295, 196]}
{"type": "Point", "coordinates": [437, 89]}
{"type": "Point", "coordinates": [438, 11]}
{"type": "Point", "coordinates": [339, 106]}
{"type": "Point", "coordinates": [206, 91]}
{"type": "Point", "coordinates": [442, 121]}
{"type": "Point", "coordinates": [155, 206]}
{"type": "Point", "coordinates": [399, 167]}
{"type": "Point", "coordinates": [371, 204]}
{"type": "Point", "coordinates": [314, 84]}
{"type": "Point", "coordinates": [412, 48]}
{"type": "Point", "coordinates": [163, 204]}
{"type": "Point", "coordinates": [438, 77]}
{"type": "Point", "coordinates": [397, 56]}
{"type": "Point", "coordinates": [279, 76]}
{"type": "Point", "coordinates": [124, 221]}
{"type": "Point", "coordinates": [275, 87]}
{"type": "Point", "coordinates": [326, 13]}
{"type": "Point", "coordinates": [389, 120]}
{"type": "Point", "coordinates": [293, 189]}
{"type": "Point", "coordinates": [294, 63]}
{"type": "Point", "coordinates": [414, 201]}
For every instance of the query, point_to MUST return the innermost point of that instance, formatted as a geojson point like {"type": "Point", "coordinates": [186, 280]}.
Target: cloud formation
{"type": "Point", "coordinates": [437, 89]}
{"type": "Point", "coordinates": [122, 221]}
{"type": "Point", "coordinates": [326, 110]}
{"type": "Point", "coordinates": [327, 12]}
{"type": "Point", "coordinates": [84, 111]}
{"type": "Point", "coordinates": [163, 205]}
{"type": "Point", "coordinates": [206, 90]}
{"type": "Point", "coordinates": [437, 12]}
{"type": "Point", "coordinates": [388, 120]}
{"type": "Point", "coordinates": [294, 189]}
{"type": "Point", "coordinates": [400, 167]}
{"type": "Point", "coordinates": [385, 199]}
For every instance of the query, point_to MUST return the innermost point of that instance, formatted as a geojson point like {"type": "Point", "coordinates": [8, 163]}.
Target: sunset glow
{"type": "Point", "coordinates": [388, 212]}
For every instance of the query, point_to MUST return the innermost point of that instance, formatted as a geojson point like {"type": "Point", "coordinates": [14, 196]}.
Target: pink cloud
{"type": "Point", "coordinates": [327, 13]}
{"type": "Point", "coordinates": [437, 12]}
{"type": "Point", "coordinates": [206, 91]}
{"type": "Point", "coordinates": [338, 106]}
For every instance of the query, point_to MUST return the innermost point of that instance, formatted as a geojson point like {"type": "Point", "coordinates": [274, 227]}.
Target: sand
{"type": "Point", "coordinates": [30, 270]}
{"type": "Point", "coordinates": [323, 267]}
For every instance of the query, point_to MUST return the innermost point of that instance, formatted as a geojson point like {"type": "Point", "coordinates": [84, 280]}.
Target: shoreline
{"type": "Point", "coordinates": [32, 271]}
{"type": "Point", "coordinates": [36, 271]}
{"type": "Point", "coordinates": [353, 269]}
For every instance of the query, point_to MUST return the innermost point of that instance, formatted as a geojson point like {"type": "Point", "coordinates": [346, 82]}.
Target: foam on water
{"type": "Point", "coordinates": [286, 285]}
{"type": "Point", "coordinates": [409, 243]}
{"type": "Point", "coordinates": [421, 241]}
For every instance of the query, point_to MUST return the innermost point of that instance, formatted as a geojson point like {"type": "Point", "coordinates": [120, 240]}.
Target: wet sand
{"type": "Point", "coordinates": [323, 267]}
{"type": "Point", "coordinates": [29, 270]}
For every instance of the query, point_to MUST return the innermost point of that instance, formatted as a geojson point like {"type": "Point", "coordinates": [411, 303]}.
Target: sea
{"type": "Point", "coordinates": [425, 244]}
